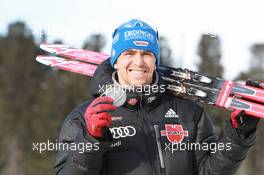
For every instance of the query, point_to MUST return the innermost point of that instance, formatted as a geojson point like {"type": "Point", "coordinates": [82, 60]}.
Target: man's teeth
{"type": "Point", "coordinates": [138, 71]}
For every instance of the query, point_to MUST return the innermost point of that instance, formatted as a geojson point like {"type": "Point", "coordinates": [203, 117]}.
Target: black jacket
{"type": "Point", "coordinates": [151, 134]}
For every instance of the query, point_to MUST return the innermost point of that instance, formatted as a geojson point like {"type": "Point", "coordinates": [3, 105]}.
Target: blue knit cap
{"type": "Point", "coordinates": [134, 34]}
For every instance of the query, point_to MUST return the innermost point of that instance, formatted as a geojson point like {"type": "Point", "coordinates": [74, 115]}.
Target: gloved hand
{"type": "Point", "coordinates": [97, 117]}
{"type": "Point", "coordinates": [245, 124]}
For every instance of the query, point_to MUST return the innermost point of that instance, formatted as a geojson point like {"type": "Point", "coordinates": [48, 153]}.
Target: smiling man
{"type": "Point", "coordinates": [153, 133]}
{"type": "Point", "coordinates": [135, 67]}
{"type": "Point", "coordinates": [135, 53]}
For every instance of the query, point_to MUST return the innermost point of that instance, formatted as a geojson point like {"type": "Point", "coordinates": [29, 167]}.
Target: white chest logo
{"type": "Point", "coordinates": [171, 114]}
{"type": "Point", "coordinates": [123, 131]}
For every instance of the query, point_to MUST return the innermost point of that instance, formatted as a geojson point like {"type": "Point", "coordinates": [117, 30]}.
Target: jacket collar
{"type": "Point", "coordinates": [146, 97]}
{"type": "Point", "coordinates": [105, 76]}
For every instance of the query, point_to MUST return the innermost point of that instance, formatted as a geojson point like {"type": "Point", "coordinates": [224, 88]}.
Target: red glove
{"type": "Point", "coordinates": [243, 123]}
{"type": "Point", "coordinates": [97, 117]}
{"type": "Point", "coordinates": [234, 118]}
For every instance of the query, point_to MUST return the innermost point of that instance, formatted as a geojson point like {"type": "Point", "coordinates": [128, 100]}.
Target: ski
{"type": "Point", "coordinates": [183, 75]}
{"type": "Point", "coordinates": [68, 65]}
{"type": "Point", "coordinates": [226, 87]}
{"type": "Point", "coordinates": [212, 97]}
{"type": "Point", "coordinates": [73, 53]}
{"type": "Point", "coordinates": [189, 84]}
{"type": "Point", "coordinates": [215, 91]}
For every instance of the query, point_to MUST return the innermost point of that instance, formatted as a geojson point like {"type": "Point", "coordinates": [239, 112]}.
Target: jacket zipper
{"type": "Point", "coordinates": [157, 138]}
{"type": "Point", "coordinates": [161, 159]}
{"type": "Point", "coordinates": [145, 123]}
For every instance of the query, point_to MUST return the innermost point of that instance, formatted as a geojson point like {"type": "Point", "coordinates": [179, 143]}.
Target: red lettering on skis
{"type": "Point", "coordinates": [224, 93]}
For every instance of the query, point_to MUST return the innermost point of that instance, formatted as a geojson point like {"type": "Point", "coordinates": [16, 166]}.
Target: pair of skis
{"type": "Point", "coordinates": [184, 82]}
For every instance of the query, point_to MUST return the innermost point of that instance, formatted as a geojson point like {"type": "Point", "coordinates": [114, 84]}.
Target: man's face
{"type": "Point", "coordinates": [135, 67]}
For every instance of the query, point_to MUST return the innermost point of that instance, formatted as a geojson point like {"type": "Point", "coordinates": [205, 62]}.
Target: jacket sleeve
{"type": "Point", "coordinates": [79, 153]}
{"type": "Point", "coordinates": [229, 152]}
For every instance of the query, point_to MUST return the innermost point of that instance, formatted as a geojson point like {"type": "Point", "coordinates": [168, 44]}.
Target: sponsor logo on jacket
{"type": "Point", "coordinates": [151, 99]}
{"type": "Point", "coordinates": [123, 131]}
{"type": "Point", "coordinates": [132, 101]}
{"type": "Point", "coordinates": [116, 144]}
{"type": "Point", "coordinates": [171, 114]}
{"type": "Point", "coordinates": [174, 133]}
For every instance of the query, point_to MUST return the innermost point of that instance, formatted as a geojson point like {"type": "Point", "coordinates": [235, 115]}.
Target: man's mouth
{"type": "Point", "coordinates": [137, 71]}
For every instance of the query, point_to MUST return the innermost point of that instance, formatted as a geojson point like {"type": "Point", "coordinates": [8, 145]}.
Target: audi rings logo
{"type": "Point", "coordinates": [123, 131]}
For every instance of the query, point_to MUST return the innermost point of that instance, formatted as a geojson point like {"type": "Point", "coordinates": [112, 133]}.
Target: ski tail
{"type": "Point", "coordinates": [73, 53]}
{"type": "Point", "coordinates": [67, 65]}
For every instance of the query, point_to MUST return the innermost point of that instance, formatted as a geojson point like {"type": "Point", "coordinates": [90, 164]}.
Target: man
{"type": "Point", "coordinates": [154, 132]}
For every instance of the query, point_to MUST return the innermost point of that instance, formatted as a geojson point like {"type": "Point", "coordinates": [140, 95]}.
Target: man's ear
{"type": "Point", "coordinates": [115, 66]}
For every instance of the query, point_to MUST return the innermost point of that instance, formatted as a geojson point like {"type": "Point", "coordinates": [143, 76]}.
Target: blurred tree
{"type": "Point", "coordinates": [209, 50]}
{"type": "Point", "coordinates": [18, 87]}
{"type": "Point", "coordinates": [58, 94]}
{"type": "Point", "coordinates": [95, 42]}
{"type": "Point", "coordinates": [256, 72]}
{"type": "Point", "coordinates": [257, 62]}
{"type": "Point", "coordinates": [256, 65]}
{"type": "Point", "coordinates": [33, 103]}
{"type": "Point", "coordinates": [19, 29]}
{"type": "Point", "coordinates": [165, 52]}
{"type": "Point", "coordinates": [43, 36]}
{"type": "Point", "coordinates": [57, 41]}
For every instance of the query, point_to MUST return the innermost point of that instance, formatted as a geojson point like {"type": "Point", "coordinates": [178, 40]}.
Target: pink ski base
{"type": "Point", "coordinates": [68, 65]}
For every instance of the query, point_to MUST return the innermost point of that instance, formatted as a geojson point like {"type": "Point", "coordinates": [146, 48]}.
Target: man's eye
{"type": "Point", "coordinates": [128, 53]}
{"type": "Point", "coordinates": [147, 54]}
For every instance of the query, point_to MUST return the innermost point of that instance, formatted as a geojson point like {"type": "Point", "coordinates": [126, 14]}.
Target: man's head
{"type": "Point", "coordinates": [135, 52]}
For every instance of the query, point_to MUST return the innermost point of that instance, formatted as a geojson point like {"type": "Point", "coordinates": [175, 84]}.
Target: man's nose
{"type": "Point", "coordinates": [138, 59]}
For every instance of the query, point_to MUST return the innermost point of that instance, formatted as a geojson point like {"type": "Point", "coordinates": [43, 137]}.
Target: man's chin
{"type": "Point", "coordinates": [139, 83]}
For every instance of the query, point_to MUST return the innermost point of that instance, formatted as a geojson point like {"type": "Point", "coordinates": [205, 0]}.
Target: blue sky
{"type": "Point", "coordinates": [239, 23]}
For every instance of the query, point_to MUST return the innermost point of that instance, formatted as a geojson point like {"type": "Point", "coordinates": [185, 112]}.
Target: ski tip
{"type": "Point", "coordinates": [47, 60]}
{"type": "Point", "coordinates": [53, 48]}
{"type": "Point", "coordinates": [41, 59]}
{"type": "Point", "coordinates": [46, 47]}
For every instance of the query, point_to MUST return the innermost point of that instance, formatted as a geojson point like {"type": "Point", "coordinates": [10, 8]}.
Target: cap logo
{"type": "Point", "coordinates": [138, 34]}
{"type": "Point", "coordinates": [141, 43]}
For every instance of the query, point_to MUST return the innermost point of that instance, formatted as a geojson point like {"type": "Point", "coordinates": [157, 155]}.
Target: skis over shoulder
{"type": "Point", "coordinates": [78, 54]}
{"type": "Point", "coordinates": [68, 65]}
{"type": "Point", "coordinates": [190, 84]}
